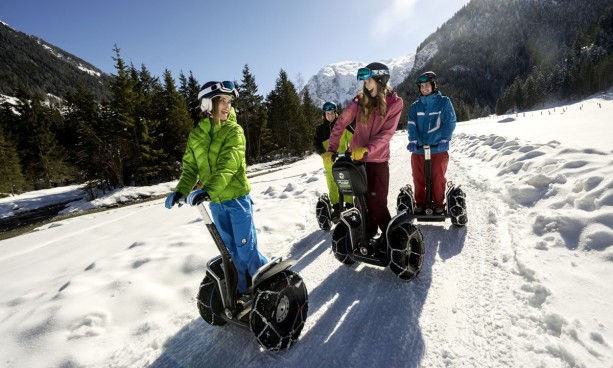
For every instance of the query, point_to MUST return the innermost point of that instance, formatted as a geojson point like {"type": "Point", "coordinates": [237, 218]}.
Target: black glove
{"type": "Point", "coordinates": [198, 196]}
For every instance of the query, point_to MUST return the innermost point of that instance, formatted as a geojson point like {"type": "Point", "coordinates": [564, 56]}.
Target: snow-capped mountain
{"type": "Point", "coordinates": [337, 82]}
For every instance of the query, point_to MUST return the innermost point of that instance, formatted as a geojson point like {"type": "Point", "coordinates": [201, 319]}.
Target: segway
{"type": "Point", "coordinates": [274, 307]}
{"type": "Point", "coordinates": [403, 249]}
{"type": "Point", "coordinates": [455, 208]}
{"type": "Point", "coordinates": [323, 211]}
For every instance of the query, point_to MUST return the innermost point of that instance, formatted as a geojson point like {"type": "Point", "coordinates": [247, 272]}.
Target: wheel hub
{"type": "Point", "coordinates": [282, 309]}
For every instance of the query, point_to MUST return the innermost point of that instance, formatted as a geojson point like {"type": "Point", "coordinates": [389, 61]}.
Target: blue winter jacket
{"type": "Point", "coordinates": [431, 119]}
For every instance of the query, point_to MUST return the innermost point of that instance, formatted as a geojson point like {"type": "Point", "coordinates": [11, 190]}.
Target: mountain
{"type": "Point", "coordinates": [550, 49]}
{"type": "Point", "coordinates": [30, 62]}
{"type": "Point", "coordinates": [337, 82]}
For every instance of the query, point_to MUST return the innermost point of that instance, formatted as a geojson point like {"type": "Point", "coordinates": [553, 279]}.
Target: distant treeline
{"type": "Point", "coordinates": [137, 136]}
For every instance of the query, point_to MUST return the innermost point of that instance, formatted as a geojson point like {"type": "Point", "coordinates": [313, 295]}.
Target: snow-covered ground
{"type": "Point", "coordinates": [527, 283]}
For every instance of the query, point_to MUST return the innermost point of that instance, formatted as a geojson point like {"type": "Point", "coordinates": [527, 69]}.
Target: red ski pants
{"type": "Point", "coordinates": [439, 162]}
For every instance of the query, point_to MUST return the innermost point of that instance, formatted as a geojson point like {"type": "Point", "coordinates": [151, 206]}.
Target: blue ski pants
{"type": "Point", "coordinates": [234, 221]}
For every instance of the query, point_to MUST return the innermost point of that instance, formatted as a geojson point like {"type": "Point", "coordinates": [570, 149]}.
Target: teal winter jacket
{"type": "Point", "coordinates": [215, 156]}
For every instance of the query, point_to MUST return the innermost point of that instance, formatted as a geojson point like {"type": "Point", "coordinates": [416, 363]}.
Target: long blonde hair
{"type": "Point", "coordinates": [369, 103]}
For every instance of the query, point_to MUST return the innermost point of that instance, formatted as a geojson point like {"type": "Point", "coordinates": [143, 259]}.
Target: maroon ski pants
{"type": "Point", "coordinates": [439, 163]}
{"type": "Point", "coordinates": [378, 176]}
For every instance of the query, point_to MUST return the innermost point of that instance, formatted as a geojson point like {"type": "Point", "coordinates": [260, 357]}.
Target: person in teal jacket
{"type": "Point", "coordinates": [215, 157]}
{"type": "Point", "coordinates": [320, 145]}
{"type": "Point", "coordinates": [432, 121]}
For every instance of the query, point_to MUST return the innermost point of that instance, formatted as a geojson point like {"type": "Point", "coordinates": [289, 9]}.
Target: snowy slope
{"type": "Point", "coordinates": [526, 284]}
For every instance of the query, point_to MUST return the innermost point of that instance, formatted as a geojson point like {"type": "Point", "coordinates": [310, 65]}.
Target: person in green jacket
{"type": "Point", "coordinates": [215, 157]}
{"type": "Point", "coordinates": [320, 144]}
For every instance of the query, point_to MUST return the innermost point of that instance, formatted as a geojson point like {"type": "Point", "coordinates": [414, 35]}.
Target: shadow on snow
{"type": "Point", "coordinates": [365, 316]}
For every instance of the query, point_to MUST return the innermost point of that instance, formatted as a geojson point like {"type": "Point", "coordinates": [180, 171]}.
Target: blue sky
{"type": "Point", "coordinates": [215, 39]}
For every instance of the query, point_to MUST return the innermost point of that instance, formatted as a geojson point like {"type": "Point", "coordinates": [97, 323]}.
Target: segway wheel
{"type": "Point", "coordinates": [405, 200]}
{"type": "Point", "coordinates": [322, 211]}
{"type": "Point", "coordinates": [406, 251]}
{"type": "Point", "coordinates": [341, 244]}
{"type": "Point", "coordinates": [279, 311]}
{"type": "Point", "coordinates": [209, 302]}
{"type": "Point", "coordinates": [456, 204]}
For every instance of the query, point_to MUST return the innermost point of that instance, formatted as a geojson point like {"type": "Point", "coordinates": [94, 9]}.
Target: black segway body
{"type": "Point", "coordinates": [404, 248]}
{"type": "Point", "coordinates": [274, 307]}
{"type": "Point", "coordinates": [455, 208]}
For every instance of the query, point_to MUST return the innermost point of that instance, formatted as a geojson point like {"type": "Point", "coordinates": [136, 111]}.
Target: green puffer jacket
{"type": "Point", "coordinates": [216, 157]}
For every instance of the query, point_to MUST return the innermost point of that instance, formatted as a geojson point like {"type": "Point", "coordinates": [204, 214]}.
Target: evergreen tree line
{"type": "Point", "coordinates": [137, 136]}
{"type": "Point", "coordinates": [584, 70]}
{"type": "Point", "coordinates": [505, 55]}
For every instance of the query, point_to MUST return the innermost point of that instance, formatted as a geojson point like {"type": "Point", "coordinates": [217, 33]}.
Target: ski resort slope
{"type": "Point", "coordinates": [527, 283]}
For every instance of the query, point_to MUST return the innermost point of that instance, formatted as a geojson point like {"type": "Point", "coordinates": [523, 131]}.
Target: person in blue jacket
{"type": "Point", "coordinates": [432, 121]}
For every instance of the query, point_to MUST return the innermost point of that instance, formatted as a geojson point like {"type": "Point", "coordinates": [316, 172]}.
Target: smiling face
{"type": "Point", "coordinates": [372, 86]}
{"type": "Point", "coordinates": [224, 103]}
{"type": "Point", "coordinates": [330, 115]}
{"type": "Point", "coordinates": [425, 88]}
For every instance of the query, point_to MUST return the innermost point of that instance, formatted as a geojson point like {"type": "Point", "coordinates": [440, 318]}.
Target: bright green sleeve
{"type": "Point", "coordinates": [189, 176]}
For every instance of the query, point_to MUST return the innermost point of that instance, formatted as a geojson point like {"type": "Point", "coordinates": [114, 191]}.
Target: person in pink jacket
{"type": "Point", "coordinates": [377, 110]}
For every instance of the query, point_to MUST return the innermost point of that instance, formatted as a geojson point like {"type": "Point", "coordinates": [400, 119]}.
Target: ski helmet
{"type": "Point", "coordinates": [427, 77]}
{"type": "Point", "coordinates": [377, 71]}
{"type": "Point", "coordinates": [329, 106]}
{"type": "Point", "coordinates": [212, 89]}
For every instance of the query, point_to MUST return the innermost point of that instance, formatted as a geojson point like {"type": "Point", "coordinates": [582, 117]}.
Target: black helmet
{"type": "Point", "coordinates": [212, 89]}
{"type": "Point", "coordinates": [378, 71]}
{"type": "Point", "coordinates": [427, 77]}
{"type": "Point", "coordinates": [329, 106]}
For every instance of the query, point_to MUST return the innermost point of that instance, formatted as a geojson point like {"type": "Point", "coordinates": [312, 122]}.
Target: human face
{"type": "Point", "coordinates": [425, 88]}
{"type": "Point", "coordinates": [372, 86]}
{"type": "Point", "coordinates": [330, 115]}
{"type": "Point", "coordinates": [224, 103]}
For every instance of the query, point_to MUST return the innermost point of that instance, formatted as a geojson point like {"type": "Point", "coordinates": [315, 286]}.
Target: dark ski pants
{"type": "Point", "coordinates": [378, 177]}
{"type": "Point", "coordinates": [439, 163]}
{"type": "Point", "coordinates": [234, 221]}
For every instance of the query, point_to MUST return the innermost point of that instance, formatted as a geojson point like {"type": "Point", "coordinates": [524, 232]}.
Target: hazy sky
{"type": "Point", "coordinates": [215, 39]}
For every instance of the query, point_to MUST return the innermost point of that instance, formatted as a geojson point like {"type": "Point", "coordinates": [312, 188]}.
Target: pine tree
{"type": "Point", "coordinates": [189, 88]}
{"type": "Point", "coordinates": [11, 178]}
{"type": "Point", "coordinates": [42, 158]}
{"type": "Point", "coordinates": [285, 116]}
{"type": "Point", "coordinates": [252, 116]}
{"type": "Point", "coordinates": [174, 127]}
{"type": "Point", "coordinates": [81, 119]}
{"type": "Point", "coordinates": [312, 114]}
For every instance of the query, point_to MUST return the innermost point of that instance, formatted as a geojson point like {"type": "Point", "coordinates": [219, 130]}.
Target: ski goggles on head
{"type": "Point", "coordinates": [365, 73]}
{"type": "Point", "coordinates": [223, 87]}
{"type": "Point", "coordinates": [328, 106]}
{"type": "Point", "coordinates": [422, 79]}
{"type": "Point", "coordinates": [426, 77]}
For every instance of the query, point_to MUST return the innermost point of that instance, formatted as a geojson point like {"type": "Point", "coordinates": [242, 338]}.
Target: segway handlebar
{"type": "Point", "coordinates": [346, 154]}
{"type": "Point", "coordinates": [430, 146]}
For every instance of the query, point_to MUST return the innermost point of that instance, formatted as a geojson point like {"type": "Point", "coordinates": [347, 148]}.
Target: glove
{"type": "Point", "coordinates": [198, 196]}
{"type": "Point", "coordinates": [412, 146]}
{"type": "Point", "coordinates": [327, 156]}
{"type": "Point", "coordinates": [172, 199]}
{"type": "Point", "coordinates": [358, 153]}
{"type": "Point", "coordinates": [443, 146]}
